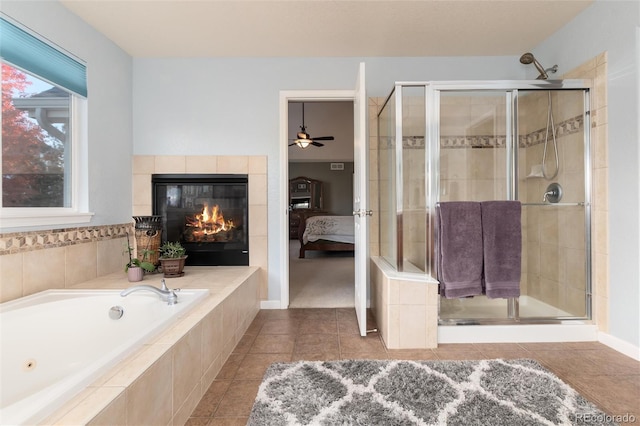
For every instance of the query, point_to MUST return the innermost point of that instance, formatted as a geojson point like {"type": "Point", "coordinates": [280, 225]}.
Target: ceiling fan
{"type": "Point", "coordinates": [304, 139]}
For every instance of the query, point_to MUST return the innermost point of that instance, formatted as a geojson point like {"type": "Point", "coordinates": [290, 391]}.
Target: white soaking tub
{"type": "Point", "coordinates": [55, 343]}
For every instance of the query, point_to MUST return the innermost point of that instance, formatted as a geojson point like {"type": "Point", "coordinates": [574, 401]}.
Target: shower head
{"type": "Point", "coordinates": [528, 58]}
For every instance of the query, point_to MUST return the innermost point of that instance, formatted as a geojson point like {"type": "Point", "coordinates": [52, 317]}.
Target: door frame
{"type": "Point", "coordinates": [285, 97]}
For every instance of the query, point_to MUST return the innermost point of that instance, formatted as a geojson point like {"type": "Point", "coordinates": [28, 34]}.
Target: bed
{"type": "Point", "coordinates": [326, 233]}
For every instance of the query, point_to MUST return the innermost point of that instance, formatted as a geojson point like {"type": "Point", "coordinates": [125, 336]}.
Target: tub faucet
{"type": "Point", "coordinates": [165, 293]}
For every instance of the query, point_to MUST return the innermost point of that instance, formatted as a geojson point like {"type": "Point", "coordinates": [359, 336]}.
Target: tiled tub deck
{"type": "Point", "coordinates": [162, 382]}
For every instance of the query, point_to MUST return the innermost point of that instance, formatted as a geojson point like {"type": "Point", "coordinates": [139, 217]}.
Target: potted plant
{"type": "Point", "coordinates": [172, 258]}
{"type": "Point", "coordinates": [135, 267]}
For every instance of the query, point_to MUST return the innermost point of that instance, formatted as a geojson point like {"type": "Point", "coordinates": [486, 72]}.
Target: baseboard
{"type": "Point", "coordinates": [619, 345]}
{"type": "Point", "coordinates": [270, 304]}
{"type": "Point", "coordinates": [517, 333]}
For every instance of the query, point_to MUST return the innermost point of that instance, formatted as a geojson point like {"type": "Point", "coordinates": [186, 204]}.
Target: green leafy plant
{"type": "Point", "coordinates": [172, 250]}
{"type": "Point", "coordinates": [135, 262]}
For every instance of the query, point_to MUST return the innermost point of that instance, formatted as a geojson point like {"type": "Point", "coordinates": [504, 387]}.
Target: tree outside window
{"type": "Point", "coordinates": [35, 149]}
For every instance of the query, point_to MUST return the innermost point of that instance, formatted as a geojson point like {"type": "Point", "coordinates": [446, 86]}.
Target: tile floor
{"type": "Point", "coordinates": [606, 377]}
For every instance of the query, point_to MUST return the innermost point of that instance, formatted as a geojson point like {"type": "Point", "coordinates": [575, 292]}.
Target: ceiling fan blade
{"type": "Point", "coordinates": [324, 138]}
{"type": "Point", "coordinates": [314, 143]}
{"type": "Point", "coordinates": [292, 144]}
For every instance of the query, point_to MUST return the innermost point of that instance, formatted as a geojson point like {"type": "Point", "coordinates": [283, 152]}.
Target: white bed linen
{"type": "Point", "coordinates": [332, 228]}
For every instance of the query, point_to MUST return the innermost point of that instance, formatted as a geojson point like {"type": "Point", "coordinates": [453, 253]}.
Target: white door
{"type": "Point", "coordinates": [360, 202]}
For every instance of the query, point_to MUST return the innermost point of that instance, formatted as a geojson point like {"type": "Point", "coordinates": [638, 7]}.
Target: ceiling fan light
{"type": "Point", "coordinates": [303, 143]}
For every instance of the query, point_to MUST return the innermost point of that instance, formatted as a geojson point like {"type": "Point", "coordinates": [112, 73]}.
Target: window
{"type": "Point", "coordinates": [43, 133]}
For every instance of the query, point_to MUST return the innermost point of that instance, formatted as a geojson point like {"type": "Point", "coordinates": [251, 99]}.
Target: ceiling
{"type": "Point", "coordinates": [306, 28]}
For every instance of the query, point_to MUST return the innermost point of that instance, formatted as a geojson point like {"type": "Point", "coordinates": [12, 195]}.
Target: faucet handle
{"type": "Point", "coordinates": [164, 285]}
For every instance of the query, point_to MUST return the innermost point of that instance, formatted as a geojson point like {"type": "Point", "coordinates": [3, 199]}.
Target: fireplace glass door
{"type": "Point", "coordinates": [208, 214]}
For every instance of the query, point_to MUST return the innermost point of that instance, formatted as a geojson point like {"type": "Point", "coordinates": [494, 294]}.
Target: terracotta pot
{"type": "Point", "coordinates": [135, 273]}
{"type": "Point", "coordinates": [173, 267]}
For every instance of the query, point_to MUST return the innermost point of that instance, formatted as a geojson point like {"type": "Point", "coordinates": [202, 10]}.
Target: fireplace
{"type": "Point", "coordinates": [207, 213]}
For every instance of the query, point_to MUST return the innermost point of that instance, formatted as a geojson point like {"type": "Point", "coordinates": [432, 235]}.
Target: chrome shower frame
{"type": "Point", "coordinates": [511, 89]}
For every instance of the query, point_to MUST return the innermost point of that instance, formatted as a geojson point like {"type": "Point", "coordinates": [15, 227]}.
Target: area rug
{"type": "Point", "coordinates": [370, 392]}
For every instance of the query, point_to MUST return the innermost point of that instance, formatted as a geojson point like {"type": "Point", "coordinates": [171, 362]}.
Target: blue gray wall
{"type": "Point", "coordinates": [613, 26]}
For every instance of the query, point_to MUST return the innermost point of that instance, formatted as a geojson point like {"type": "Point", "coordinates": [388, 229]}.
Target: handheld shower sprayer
{"type": "Point", "coordinates": [528, 58]}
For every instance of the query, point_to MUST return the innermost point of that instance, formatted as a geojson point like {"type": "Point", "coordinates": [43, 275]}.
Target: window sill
{"type": "Point", "coordinates": [21, 218]}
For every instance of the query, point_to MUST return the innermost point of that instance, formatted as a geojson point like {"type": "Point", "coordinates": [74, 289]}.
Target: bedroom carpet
{"type": "Point", "coordinates": [321, 280]}
{"type": "Point", "coordinates": [516, 392]}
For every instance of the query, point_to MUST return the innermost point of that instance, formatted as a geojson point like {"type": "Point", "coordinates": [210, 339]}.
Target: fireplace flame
{"type": "Point", "coordinates": [209, 222]}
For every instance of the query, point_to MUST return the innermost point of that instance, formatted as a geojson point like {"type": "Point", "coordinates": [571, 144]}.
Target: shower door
{"type": "Point", "coordinates": [473, 166]}
{"type": "Point", "coordinates": [528, 143]}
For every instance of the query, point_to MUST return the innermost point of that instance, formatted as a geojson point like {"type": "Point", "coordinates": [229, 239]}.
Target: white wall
{"type": "Point", "coordinates": [109, 103]}
{"type": "Point", "coordinates": [220, 106]}
{"type": "Point", "coordinates": [611, 26]}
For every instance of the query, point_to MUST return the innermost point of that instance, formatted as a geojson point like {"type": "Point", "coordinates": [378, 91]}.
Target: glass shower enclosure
{"type": "Point", "coordinates": [492, 140]}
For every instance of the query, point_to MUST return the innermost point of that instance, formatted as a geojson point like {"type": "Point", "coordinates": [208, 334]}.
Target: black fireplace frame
{"type": "Point", "coordinates": [207, 254]}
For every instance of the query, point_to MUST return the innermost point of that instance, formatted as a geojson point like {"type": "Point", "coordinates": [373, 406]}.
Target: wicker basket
{"type": "Point", "coordinates": [148, 232]}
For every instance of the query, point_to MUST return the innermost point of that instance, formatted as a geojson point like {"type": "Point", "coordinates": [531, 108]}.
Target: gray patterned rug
{"type": "Point", "coordinates": [363, 392]}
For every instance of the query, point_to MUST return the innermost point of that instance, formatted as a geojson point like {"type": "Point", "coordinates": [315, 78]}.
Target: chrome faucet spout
{"type": "Point", "coordinates": [165, 293]}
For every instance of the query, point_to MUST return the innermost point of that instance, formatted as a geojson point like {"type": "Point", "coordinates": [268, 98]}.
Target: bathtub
{"type": "Point", "coordinates": [55, 343]}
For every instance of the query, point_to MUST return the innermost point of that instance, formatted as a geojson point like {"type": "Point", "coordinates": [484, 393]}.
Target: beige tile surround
{"type": "Point", "coordinates": [35, 261]}
{"type": "Point", "coordinates": [163, 381]}
{"type": "Point", "coordinates": [253, 166]}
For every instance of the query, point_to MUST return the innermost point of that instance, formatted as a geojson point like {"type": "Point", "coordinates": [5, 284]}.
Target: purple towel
{"type": "Point", "coordinates": [459, 248]}
{"type": "Point", "coordinates": [502, 241]}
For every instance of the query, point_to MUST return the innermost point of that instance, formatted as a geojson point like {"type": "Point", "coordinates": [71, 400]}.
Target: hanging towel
{"type": "Point", "coordinates": [459, 230]}
{"type": "Point", "coordinates": [502, 242]}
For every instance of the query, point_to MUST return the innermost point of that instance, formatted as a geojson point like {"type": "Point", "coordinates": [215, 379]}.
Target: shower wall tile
{"type": "Point", "coordinates": [601, 234]}
{"type": "Point", "coordinates": [600, 189]}
{"type": "Point", "coordinates": [575, 267]}
{"type": "Point", "coordinates": [600, 151]}
{"type": "Point", "coordinates": [585, 70]}
{"type": "Point", "coordinates": [599, 98]}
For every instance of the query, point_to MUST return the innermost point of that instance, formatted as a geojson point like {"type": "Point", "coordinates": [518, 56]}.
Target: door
{"type": "Point", "coordinates": [360, 202]}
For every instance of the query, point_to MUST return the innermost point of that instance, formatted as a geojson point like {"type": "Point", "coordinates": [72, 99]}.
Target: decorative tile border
{"type": "Point", "coordinates": [565, 128]}
{"type": "Point", "coordinates": [19, 242]}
